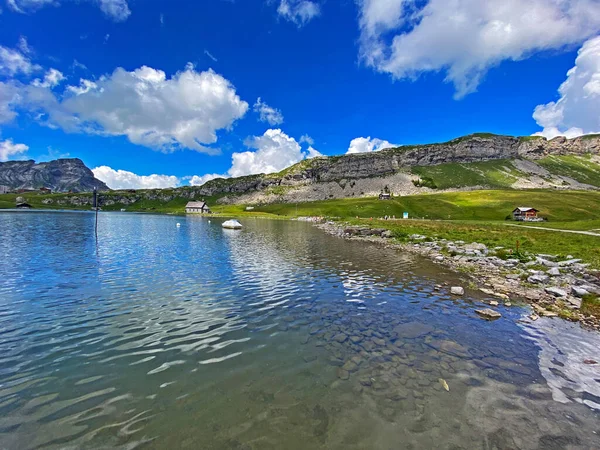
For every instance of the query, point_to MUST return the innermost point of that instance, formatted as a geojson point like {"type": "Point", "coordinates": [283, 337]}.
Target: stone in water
{"type": "Point", "coordinates": [489, 314]}
{"type": "Point", "coordinates": [444, 384]}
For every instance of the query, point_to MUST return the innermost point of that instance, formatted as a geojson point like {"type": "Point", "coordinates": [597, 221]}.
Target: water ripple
{"type": "Point", "coordinates": [163, 337]}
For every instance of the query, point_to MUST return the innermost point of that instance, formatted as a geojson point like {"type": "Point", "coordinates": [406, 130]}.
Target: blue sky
{"type": "Point", "coordinates": [173, 87]}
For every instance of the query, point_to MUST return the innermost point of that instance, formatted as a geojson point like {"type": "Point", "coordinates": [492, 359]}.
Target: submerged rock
{"type": "Point", "coordinates": [343, 374]}
{"type": "Point", "coordinates": [450, 347]}
{"type": "Point", "coordinates": [340, 337]}
{"type": "Point", "coordinates": [355, 339]}
{"type": "Point", "coordinates": [488, 314]}
{"type": "Point", "coordinates": [412, 330]}
{"type": "Point", "coordinates": [350, 366]}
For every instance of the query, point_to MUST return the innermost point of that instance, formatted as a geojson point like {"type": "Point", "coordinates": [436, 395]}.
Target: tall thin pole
{"type": "Point", "coordinates": [95, 202]}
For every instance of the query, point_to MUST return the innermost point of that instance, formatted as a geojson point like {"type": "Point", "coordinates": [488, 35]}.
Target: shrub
{"type": "Point", "coordinates": [425, 182]}
{"type": "Point", "coordinates": [504, 254]}
{"type": "Point", "coordinates": [402, 235]}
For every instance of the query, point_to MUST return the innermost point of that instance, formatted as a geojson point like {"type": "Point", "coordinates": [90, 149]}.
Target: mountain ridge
{"type": "Point", "coordinates": [478, 161]}
{"type": "Point", "coordinates": [60, 175]}
{"type": "Point", "coordinates": [399, 163]}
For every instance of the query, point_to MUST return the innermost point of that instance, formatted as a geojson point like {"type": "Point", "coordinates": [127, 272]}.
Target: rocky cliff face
{"type": "Point", "coordinates": [386, 163]}
{"type": "Point", "coordinates": [61, 175]}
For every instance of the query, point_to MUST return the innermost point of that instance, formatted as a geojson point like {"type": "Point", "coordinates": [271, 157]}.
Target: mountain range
{"type": "Point", "coordinates": [478, 161]}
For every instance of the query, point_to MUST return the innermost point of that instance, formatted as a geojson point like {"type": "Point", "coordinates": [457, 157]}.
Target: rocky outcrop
{"type": "Point", "coordinates": [61, 175]}
{"type": "Point", "coordinates": [391, 162]}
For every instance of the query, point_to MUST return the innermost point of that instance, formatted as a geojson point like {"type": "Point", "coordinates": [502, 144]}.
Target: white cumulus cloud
{"type": "Point", "coordinates": [577, 111]}
{"type": "Point", "coordinates": [312, 153]}
{"type": "Point", "coordinates": [465, 38]}
{"type": "Point", "coordinates": [118, 10]}
{"type": "Point", "coordinates": [166, 114]}
{"type": "Point", "coordinates": [364, 145]}
{"type": "Point", "coordinates": [199, 180]}
{"type": "Point", "coordinates": [298, 11]}
{"type": "Point", "coordinates": [122, 179]}
{"type": "Point", "coordinates": [52, 79]}
{"type": "Point", "coordinates": [267, 113]}
{"type": "Point", "coordinates": [275, 151]}
{"type": "Point", "coordinates": [8, 149]}
{"type": "Point", "coordinates": [15, 61]}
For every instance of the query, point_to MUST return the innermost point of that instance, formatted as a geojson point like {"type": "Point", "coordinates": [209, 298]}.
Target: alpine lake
{"type": "Point", "coordinates": [277, 336]}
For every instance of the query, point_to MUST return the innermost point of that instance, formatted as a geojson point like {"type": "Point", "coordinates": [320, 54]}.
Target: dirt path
{"type": "Point", "coordinates": [588, 233]}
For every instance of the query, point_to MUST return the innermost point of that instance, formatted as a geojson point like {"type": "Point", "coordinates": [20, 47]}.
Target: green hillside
{"type": "Point", "coordinates": [502, 173]}
{"type": "Point", "coordinates": [582, 169]}
{"type": "Point", "coordinates": [472, 205]}
{"type": "Point", "coordinates": [494, 174]}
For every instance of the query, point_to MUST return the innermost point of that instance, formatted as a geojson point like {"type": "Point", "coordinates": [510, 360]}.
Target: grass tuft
{"type": "Point", "coordinates": [590, 305]}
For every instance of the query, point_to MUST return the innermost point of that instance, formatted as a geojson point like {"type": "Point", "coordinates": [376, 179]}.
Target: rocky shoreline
{"type": "Point", "coordinates": [553, 287]}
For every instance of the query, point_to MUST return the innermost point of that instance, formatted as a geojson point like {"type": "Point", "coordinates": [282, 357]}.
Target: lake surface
{"type": "Point", "coordinates": [275, 337]}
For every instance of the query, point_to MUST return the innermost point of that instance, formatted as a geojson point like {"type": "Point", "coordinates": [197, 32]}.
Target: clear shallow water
{"type": "Point", "coordinates": [275, 337]}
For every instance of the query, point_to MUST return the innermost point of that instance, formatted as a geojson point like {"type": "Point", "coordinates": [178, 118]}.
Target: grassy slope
{"type": "Point", "coordinates": [8, 201]}
{"type": "Point", "coordinates": [502, 174]}
{"type": "Point", "coordinates": [582, 169]}
{"type": "Point", "coordinates": [495, 174]}
{"type": "Point", "coordinates": [473, 205]}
